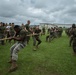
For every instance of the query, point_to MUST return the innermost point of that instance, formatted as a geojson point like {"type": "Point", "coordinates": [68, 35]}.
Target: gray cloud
{"type": "Point", "coordinates": [38, 11]}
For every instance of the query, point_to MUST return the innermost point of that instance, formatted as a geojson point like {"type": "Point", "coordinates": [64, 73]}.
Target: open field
{"type": "Point", "coordinates": [54, 58]}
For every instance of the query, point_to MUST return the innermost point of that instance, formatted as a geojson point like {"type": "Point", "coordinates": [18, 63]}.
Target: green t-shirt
{"type": "Point", "coordinates": [27, 26]}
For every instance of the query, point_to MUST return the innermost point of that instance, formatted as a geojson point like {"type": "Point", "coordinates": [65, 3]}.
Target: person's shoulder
{"type": "Point", "coordinates": [26, 24]}
{"type": "Point", "coordinates": [22, 31]}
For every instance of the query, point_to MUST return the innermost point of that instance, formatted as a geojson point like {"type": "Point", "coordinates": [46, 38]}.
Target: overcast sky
{"type": "Point", "coordinates": [38, 11]}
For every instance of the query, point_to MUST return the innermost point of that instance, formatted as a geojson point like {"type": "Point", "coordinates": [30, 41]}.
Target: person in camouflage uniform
{"type": "Point", "coordinates": [8, 31]}
{"type": "Point", "coordinates": [60, 30]}
{"type": "Point", "coordinates": [11, 32]}
{"type": "Point", "coordinates": [73, 38]}
{"type": "Point", "coordinates": [21, 43]}
{"type": "Point", "coordinates": [55, 32]}
{"type": "Point", "coordinates": [27, 28]}
{"type": "Point", "coordinates": [2, 33]}
{"type": "Point", "coordinates": [71, 30]}
{"type": "Point", "coordinates": [36, 31]}
{"type": "Point", "coordinates": [51, 35]}
{"type": "Point", "coordinates": [22, 26]}
{"type": "Point", "coordinates": [43, 30]}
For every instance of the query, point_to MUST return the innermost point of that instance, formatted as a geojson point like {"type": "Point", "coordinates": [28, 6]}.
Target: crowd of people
{"type": "Point", "coordinates": [21, 37]}
{"type": "Point", "coordinates": [54, 32]}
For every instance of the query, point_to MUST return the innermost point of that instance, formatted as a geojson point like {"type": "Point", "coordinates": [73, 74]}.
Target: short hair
{"type": "Point", "coordinates": [12, 23]}
{"type": "Point", "coordinates": [16, 26]}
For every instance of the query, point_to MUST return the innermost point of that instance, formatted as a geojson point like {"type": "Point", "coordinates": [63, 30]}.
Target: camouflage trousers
{"type": "Point", "coordinates": [15, 49]}
{"type": "Point", "coordinates": [36, 38]}
{"type": "Point", "coordinates": [74, 45]}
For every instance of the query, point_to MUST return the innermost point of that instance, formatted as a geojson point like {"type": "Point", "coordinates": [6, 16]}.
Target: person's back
{"type": "Point", "coordinates": [74, 38]}
{"type": "Point", "coordinates": [22, 34]}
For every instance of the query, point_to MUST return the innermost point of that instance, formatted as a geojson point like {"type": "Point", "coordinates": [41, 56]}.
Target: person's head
{"type": "Point", "coordinates": [73, 26]}
{"type": "Point", "coordinates": [28, 22]}
{"type": "Point", "coordinates": [17, 28]}
{"type": "Point", "coordinates": [12, 24]}
{"type": "Point", "coordinates": [22, 24]}
{"type": "Point", "coordinates": [9, 24]}
{"type": "Point", "coordinates": [1, 23]}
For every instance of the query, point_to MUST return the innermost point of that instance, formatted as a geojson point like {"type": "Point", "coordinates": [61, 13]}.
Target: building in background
{"type": "Point", "coordinates": [49, 25]}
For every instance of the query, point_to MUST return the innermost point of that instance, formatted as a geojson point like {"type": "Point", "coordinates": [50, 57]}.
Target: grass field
{"type": "Point", "coordinates": [54, 58]}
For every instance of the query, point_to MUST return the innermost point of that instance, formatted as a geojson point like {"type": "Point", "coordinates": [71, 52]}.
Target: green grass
{"type": "Point", "coordinates": [54, 58]}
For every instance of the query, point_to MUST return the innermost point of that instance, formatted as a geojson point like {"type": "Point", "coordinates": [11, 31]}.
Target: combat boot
{"type": "Point", "coordinates": [13, 66]}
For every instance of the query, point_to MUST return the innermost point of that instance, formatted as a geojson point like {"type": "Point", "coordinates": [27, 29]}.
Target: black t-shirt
{"type": "Point", "coordinates": [37, 31]}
